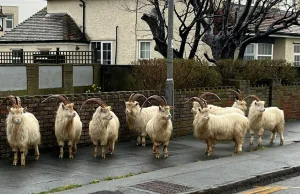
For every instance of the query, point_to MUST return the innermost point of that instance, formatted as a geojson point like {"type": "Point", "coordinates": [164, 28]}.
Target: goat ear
{"type": "Point", "coordinates": [207, 118]}
{"type": "Point", "coordinates": [8, 108]}
{"type": "Point", "coordinates": [136, 103]}
{"type": "Point", "coordinates": [199, 109]}
{"type": "Point", "coordinates": [63, 106]}
{"type": "Point", "coordinates": [160, 108]}
{"type": "Point", "coordinates": [24, 110]}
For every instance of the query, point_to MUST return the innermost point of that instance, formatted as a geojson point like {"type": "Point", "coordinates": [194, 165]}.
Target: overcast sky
{"type": "Point", "coordinates": [26, 7]}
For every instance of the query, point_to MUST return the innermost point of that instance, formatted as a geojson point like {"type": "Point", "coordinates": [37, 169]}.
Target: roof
{"type": "Point", "coordinates": [43, 27]}
{"type": "Point", "coordinates": [293, 30]}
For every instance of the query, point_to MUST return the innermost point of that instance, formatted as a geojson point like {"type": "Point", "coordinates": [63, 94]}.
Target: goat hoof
{"type": "Point", "coordinates": [165, 156]}
{"type": "Point", "coordinates": [251, 143]}
{"type": "Point", "coordinates": [95, 156]}
{"type": "Point", "coordinates": [143, 144]}
{"type": "Point", "coordinates": [22, 163]}
{"type": "Point", "coordinates": [71, 156]}
{"type": "Point", "coordinates": [281, 143]}
{"type": "Point", "coordinates": [15, 162]}
{"type": "Point", "coordinates": [37, 157]}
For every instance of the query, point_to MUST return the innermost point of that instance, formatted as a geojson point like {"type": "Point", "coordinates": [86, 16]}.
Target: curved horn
{"type": "Point", "coordinates": [237, 93]}
{"type": "Point", "coordinates": [252, 96]}
{"type": "Point", "coordinates": [133, 97]}
{"type": "Point", "coordinates": [62, 98]}
{"type": "Point", "coordinates": [15, 101]}
{"type": "Point", "coordinates": [97, 100]}
{"type": "Point", "coordinates": [209, 93]}
{"type": "Point", "coordinates": [156, 97]}
{"type": "Point", "coordinates": [197, 100]}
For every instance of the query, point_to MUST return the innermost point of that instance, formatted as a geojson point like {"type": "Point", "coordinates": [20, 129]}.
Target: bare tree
{"type": "Point", "coordinates": [224, 25]}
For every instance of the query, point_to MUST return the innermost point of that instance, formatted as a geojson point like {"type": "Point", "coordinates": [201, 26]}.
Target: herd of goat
{"type": "Point", "coordinates": [211, 123]}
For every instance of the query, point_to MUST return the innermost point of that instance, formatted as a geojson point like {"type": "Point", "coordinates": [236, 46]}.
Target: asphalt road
{"type": "Point", "coordinates": [50, 172]}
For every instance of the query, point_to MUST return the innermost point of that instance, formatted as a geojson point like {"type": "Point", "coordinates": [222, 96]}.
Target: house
{"type": "Point", "coordinates": [8, 18]}
{"type": "Point", "coordinates": [114, 30]}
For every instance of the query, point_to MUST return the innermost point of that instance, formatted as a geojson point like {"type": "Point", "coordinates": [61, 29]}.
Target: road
{"type": "Point", "coordinates": [288, 186]}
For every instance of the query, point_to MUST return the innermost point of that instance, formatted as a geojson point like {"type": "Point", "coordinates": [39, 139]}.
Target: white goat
{"type": "Point", "coordinates": [103, 127]}
{"type": "Point", "coordinates": [138, 118]}
{"type": "Point", "coordinates": [240, 102]}
{"type": "Point", "coordinates": [159, 128]}
{"type": "Point", "coordinates": [22, 130]}
{"type": "Point", "coordinates": [68, 125]}
{"type": "Point", "coordinates": [227, 127]}
{"type": "Point", "coordinates": [261, 118]}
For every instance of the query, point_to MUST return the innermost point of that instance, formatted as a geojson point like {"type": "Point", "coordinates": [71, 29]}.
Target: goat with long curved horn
{"type": "Point", "coordinates": [136, 118]}
{"type": "Point", "coordinates": [159, 127]}
{"type": "Point", "coordinates": [23, 130]}
{"type": "Point", "coordinates": [68, 125]}
{"type": "Point", "coordinates": [104, 122]}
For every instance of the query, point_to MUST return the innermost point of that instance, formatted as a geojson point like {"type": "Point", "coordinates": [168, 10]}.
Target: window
{"type": "Point", "coordinates": [259, 51]}
{"type": "Point", "coordinates": [104, 52]}
{"type": "Point", "coordinates": [17, 56]}
{"type": "Point", "coordinates": [144, 49]}
{"type": "Point", "coordinates": [297, 55]}
{"type": "Point", "coordinates": [9, 21]}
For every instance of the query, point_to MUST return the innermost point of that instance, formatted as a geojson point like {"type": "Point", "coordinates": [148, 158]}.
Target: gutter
{"type": "Point", "coordinates": [116, 51]}
{"type": "Point", "coordinates": [42, 41]}
{"type": "Point", "coordinates": [83, 19]}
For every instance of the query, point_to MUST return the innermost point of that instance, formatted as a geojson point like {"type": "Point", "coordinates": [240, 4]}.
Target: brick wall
{"type": "Point", "coordinates": [285, 97]}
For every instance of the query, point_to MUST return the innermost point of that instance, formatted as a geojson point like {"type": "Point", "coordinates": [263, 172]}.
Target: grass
{"type": "Point", "coordinates": [73, 186]}
{"type": "Point", "coordinates": [64, 188]}
{"type": "Point", "coordinates": [262, 148]}
{"type": "Point", "coordinates": [94, 182]}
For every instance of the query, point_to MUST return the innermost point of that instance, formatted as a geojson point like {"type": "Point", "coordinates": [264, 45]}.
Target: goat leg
{"type": "Point", "coordinates": [37, 153]}
{"type": "Point", "coordinates": [70, 151]}
{"type": "Point", "coordinates": [103, 151]}
{"type": "Point", "coordinates": [61, 151]}
{"type": "Point", "coordinates": [15, 157]}
{"type": "Point", "coordinates": [95, 150]}
{"type": "Point", "coordinates": [22, 158]}
{"type": "Point", "coordinates": [165, 150]}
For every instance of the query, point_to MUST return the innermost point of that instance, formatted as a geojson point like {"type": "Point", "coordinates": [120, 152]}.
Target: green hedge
{"type": "Point", "coordinates": [152, 74]}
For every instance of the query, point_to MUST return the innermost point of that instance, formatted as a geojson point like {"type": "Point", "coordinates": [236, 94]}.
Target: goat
{"type": "Point", "coordinates": [159, 127]}
{"type": "Point", "coordinates": [261, 118]}
{"type": "Point", "coordinates": [240, 102]}
{"type": "Point", "coordinates": [227, 127]}
{"type": "Point", "coordinates": [138, 118]}
{"type": "Point", "coordinates": [22, 130]}
{"type": "Point", "coordinates": [68, 125]}
{"type": "Point", "coordinates": [103, 127]}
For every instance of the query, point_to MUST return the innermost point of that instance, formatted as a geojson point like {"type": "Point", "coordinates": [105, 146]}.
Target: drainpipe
{"type": "Point", "coordinates": [116, 51]}
{"type": "Point", "coordinates": [83, 19]}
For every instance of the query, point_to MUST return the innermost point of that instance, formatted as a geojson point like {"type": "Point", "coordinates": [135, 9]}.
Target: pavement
{"type": "Point", "coordinates": [134, 169]}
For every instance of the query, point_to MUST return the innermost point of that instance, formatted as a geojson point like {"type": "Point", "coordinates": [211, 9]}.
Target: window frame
{"type": "Point", "coordinates": [101, 51]}
{"type": "Point", "coordinates": [17, 56]}
{"type": "Point", "coordinates": [256, 54]}
{"type": "Point", "coordinates": [296, 54]}
{"type": "Point", "coordinates": [140, 46]}
{"type": "Point", "coordinates": [12, 22]}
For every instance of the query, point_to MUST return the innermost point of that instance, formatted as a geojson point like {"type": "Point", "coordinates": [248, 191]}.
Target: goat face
{"type": "Point", "coordinates": [259, 106]}
{"type": "Point", "coordinates": [105, 113]}
{"type": "Point", "coordinates": [68, 111]}
{"type": "Point", "coordinates": [164, 111]}
{"type": "Point", "coordinates": [132, 107]}
{"type": "Point", "coordinates": [17, 114]}
{"type": "Point", "coordinates": [241, 104]}
{"type": "Point", "coordinates": [203, 115]}
{"type": "Point", "coordinates": [195, 108]}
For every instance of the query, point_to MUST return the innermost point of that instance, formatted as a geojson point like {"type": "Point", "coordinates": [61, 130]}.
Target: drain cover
{"type": "Point", "coordinates": [108, 192]}
{"type": "Point", "coordinates": [162, 187]}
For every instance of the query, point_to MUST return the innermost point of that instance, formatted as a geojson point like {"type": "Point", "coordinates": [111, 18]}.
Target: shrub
{"type": "Point", "coordinates": [152, 74]}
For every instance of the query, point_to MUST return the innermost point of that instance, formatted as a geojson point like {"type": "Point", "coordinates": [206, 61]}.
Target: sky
{"type": "Point", "coordinates": [26, 7]}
